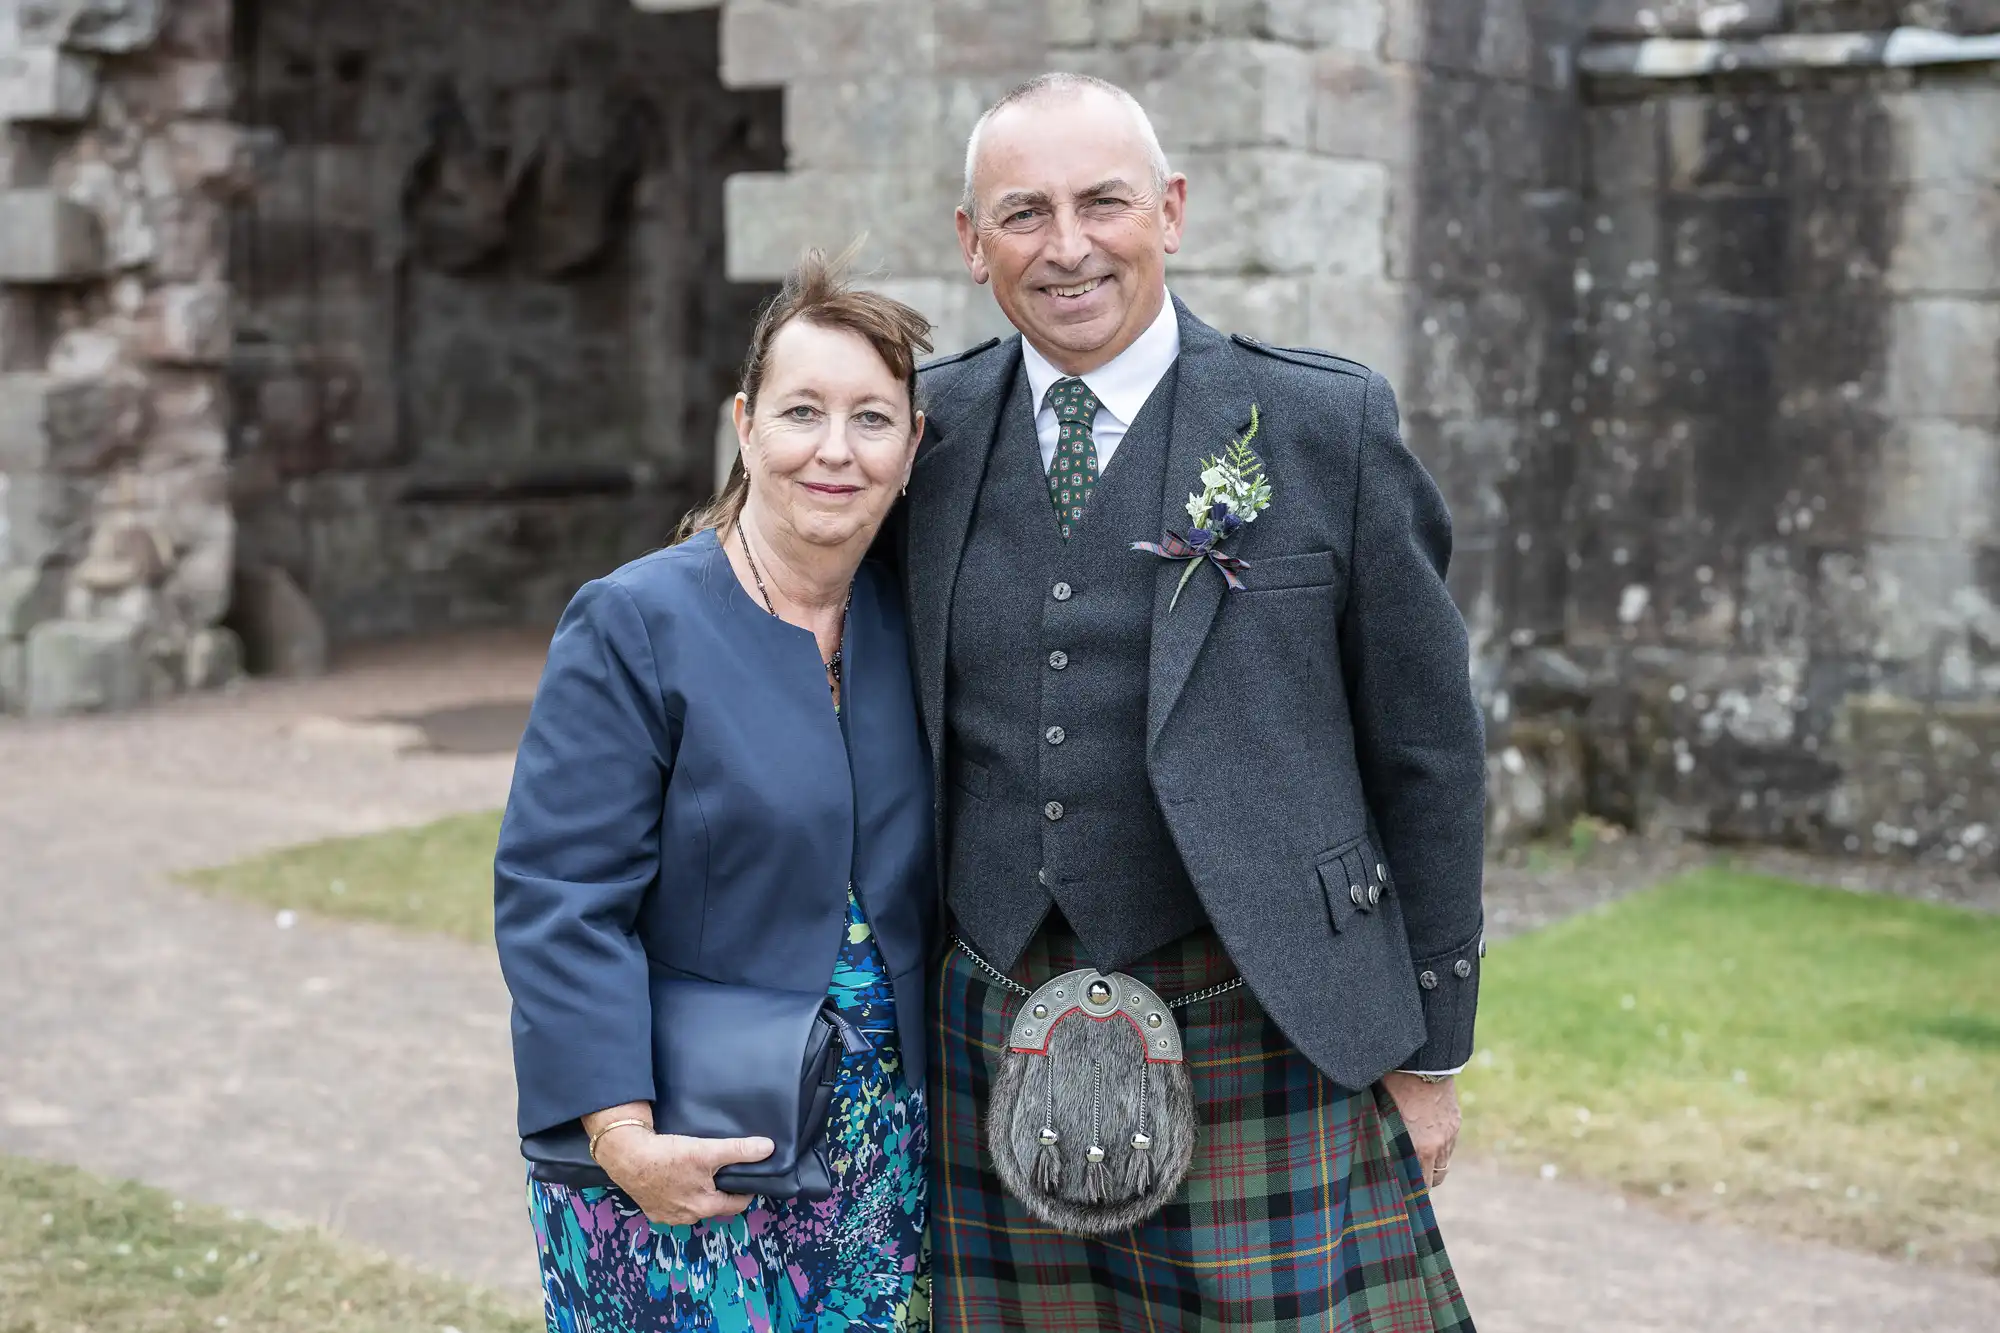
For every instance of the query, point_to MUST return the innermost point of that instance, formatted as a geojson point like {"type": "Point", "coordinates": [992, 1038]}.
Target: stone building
{"type": "Point", "coordinates": [322, 322]}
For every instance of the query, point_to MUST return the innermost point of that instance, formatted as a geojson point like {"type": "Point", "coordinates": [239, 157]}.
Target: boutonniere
{"type": "Point", "coordinates": [1233, 493]}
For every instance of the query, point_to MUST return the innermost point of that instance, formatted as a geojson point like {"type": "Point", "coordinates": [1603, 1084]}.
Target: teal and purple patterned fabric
{"type": "Point", "coordinates": [853, 1261]}
{"type": "Point", "coordinates": [1305, 1208]}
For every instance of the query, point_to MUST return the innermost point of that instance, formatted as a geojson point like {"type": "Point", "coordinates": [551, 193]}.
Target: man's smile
{"type": "Point", "coordinates": [1077, 290]}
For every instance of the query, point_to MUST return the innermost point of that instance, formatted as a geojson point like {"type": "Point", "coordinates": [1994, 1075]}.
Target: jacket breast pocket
{"type": "Point", "coordinates": [1311, 569]}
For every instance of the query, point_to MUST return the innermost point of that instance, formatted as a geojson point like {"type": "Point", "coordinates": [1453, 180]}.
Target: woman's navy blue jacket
{"type": "Point", "coordinates": [686, 799]}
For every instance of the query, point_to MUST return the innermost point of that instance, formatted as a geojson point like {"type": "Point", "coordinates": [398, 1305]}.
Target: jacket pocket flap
{"type": "Point", "coordinates": [1310, 569]}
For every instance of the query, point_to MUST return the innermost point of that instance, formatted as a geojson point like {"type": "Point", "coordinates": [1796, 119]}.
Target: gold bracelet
{"type": "Point", "coordinates": [646, 1125]}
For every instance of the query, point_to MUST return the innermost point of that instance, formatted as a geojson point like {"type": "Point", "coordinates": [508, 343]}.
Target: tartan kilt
{"type": "Point", "coordinates": [1305, 1206]}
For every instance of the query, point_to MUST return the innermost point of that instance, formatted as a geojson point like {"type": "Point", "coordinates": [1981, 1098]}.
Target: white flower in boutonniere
{"type": "Point", "coordinates": [1233, 493]}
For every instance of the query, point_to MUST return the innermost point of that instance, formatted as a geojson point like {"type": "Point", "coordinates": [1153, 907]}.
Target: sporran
{"type": "Point", "coordinates": [1093, 1122]}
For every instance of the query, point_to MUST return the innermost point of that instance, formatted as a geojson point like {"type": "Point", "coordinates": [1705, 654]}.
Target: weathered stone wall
{"type": "Point", "coordinates": [1485, 248]}
{"type": "Point", "coordinates": [1693, 308]}
{"type": "Point", "coordinates": [481, 324]}
{"type": "Point", "coordinates": [115, 529]}
{"type": "Point", "coordinates": [346, 321]}
{"type": "Point", "coordinates": [1781, 608]}
{"type": "Point", "coordinates": [1290, 205]}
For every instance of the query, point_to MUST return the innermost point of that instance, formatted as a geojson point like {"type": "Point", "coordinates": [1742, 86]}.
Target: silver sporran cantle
{"type": "Point", "coordinates": [1093, 1121]}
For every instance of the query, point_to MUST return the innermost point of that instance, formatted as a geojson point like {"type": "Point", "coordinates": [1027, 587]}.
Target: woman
{"type": "Point", "coordinates": [723, 779]}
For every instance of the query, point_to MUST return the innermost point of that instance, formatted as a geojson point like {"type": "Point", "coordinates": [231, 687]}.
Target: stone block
{"type": "Point", "coordinates": [1948, 243]}
{"type": "Point", "coordinates": [768, 45]}
{"type": "Point", "coordinates": [1350, 25]}
{"type": "Point", "coordinates": [855, 123]}
{"type": "Point", "coordinates": [1623, 148]}
{"type": "Point", "coordinates": [113, 27]}
{"type": "Point", "coordinates": [1965, 17]}
{"type": "Point", "coordinates": [281, 631]}
{"type": "Point", "coordinates": [13, 677]}
{"type": "Point", "coordinates": [84, 666]}
{"type": "Point", "coordinates": [1630, 19]}
{"type": "Point", "coordinates": [961, 312]}
{"type": "Point", "coordinates": [976, 37]}
{"type": "Point", "coordinates": [1363, 319]}
{"type": "Point", "coordinates": [186, 324]}
{"type": "Point", "coordinates": [203, 29]}
{"type": "Point", "coordinates": [906, 216]}
{"type": "Point", "coordinates": [1493, 40]}
{"type": "Point", "coordinates": [199, 87]}
{"type": "Point", "coordinates": [1274, 310]}
{"type": "Point", "coordinates": [195, 156]}
{"type": "Point", "coordinates": [1945, 132]}
{"type": "Point", "coordinates": [1364, 108]}
{"type": "Point", "coordinates": [1224, 93]}
{"type": "Point", "coordinates": [28, 596]}
{"type": "Point", "coordinates": [68, 425]}
{"type": "Point", "coordinates": [1266, 211]}
{"type": "Point", "coordinates": [1082, 23]}
{"type": "Point", "coordinates": [43, 85]}
{"type": "Point", "coordinates": [1938, 481]}
{"type": "Point", "coordinates": [46, 238]}
{"type": "Point", "coordinates": [1941, 358]}
{"type": "Point", "coordinates": [1712, 141]}
{"type": "Point", "coordinates": [43, 518]}
{"type": "Point", "coordinates": [214, 658]}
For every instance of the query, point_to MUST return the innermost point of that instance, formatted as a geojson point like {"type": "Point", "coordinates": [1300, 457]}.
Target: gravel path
{"type": "Point", "coordinates": [351, 1077]}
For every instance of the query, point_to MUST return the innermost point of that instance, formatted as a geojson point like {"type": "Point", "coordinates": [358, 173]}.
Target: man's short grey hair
{"type": "Point", "coordinates": [1045, 86]}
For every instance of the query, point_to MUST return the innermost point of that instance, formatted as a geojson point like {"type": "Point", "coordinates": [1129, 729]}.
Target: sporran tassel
{"type": "Point", "coordinates": [1096, 1175]}
{"type": "Point", "coordinates": [1047, 1169]}
{"type": "Point", "coordinates": [1140, 1169]}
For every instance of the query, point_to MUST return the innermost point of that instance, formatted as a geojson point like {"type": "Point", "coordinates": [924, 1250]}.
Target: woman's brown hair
{"type": "Point", "coordinates": [818, 292]}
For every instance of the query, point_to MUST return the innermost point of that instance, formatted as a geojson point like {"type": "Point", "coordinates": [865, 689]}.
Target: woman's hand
{"type": "Point", "coordinates": [672, 1177]}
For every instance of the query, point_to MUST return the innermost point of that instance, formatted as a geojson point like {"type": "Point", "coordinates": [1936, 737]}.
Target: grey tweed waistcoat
{"type": "Point", "coordinates": [1048, 801]}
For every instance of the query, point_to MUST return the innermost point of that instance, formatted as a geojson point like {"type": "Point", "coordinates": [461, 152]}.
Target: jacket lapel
{"type": "Point", "coordinates": [944, 486]}
{"type": "Point", "coordinates": [1211, 407]}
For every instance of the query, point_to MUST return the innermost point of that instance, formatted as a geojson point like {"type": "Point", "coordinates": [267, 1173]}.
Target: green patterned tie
{"type": "Point", "coordinates": [1074, 470]}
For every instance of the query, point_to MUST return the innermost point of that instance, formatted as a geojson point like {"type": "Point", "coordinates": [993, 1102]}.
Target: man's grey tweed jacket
{"type": "Point", "coordinates": [1312, 740]}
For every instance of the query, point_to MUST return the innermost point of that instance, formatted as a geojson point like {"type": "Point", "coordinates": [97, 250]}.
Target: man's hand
{"type": "Point", "coordinates": [1430, 1113]}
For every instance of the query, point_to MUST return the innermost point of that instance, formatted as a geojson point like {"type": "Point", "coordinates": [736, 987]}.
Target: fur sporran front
{"type": "Point", "coordinates": [1093, 1121]}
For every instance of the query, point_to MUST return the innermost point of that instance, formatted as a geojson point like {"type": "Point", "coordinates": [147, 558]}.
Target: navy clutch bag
{"type": "Point", "coordinates": [731, 1062]}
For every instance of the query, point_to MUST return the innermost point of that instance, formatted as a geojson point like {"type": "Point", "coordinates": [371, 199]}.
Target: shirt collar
{"type": "Point", "coordinates": [1123, 383]}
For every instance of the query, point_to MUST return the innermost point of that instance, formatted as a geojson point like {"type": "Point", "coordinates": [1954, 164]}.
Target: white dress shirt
{"type": "Point", "coordinates": [1122, 385]}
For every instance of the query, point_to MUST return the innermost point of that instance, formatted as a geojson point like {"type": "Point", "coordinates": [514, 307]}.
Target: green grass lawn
{"type": "Point", "coordinates": [1801, 1059]}
{"type": "Point", "coordinates": [81, 1253]}
{"type": "Point", "coordinates": [436, 877]}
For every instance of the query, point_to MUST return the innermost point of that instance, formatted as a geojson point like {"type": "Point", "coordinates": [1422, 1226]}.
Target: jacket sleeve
{"type": "Point", "coordinates": [1418, 733]}
{"type": "Point", "coordinates": [579, 850]}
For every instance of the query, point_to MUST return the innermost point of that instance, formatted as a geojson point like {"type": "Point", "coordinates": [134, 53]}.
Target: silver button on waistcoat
{"type": "Point", "coordinates": [1061, 592]}
{"type": "Point", "coordinates": [1055, 735]}
{"type": "Point", "coordinates": [1058, 659]}
{"type": "Point", "coordinates": [1053, 810]}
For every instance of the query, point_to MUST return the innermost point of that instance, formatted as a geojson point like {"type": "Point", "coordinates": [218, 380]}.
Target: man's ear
{"type": "Point", "coordinates": [1173, 207]}
{"type": "Point", "coordinates": [968, 247]}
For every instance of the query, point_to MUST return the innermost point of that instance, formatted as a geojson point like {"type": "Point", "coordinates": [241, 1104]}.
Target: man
{"type": "Point", "coordinates": [1188, 782]}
